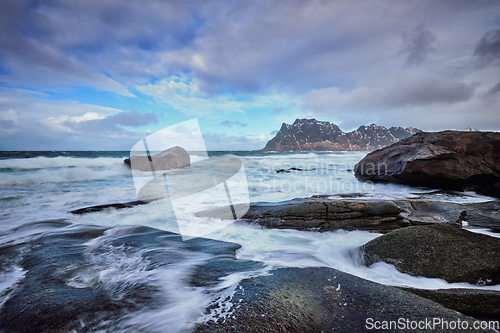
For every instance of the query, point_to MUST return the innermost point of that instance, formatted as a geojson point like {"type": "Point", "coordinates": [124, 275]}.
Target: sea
{"type": "Point", "coordinates": [133, 255]}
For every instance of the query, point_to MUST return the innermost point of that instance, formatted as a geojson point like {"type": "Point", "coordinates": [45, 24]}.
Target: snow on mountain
{"type": "Point", "coordinates": [311, 134]}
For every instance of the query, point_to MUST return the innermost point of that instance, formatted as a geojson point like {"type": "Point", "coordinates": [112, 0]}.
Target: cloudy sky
{"type": "Point", "coordinates": [102, 74]}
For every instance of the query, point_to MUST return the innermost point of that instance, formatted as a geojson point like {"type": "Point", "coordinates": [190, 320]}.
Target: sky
{"type": "Point", "coordinates": [103, 74]}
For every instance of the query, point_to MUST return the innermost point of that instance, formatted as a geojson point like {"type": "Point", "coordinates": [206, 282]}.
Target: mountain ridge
{"type": "Point", "coordinates": [313, 135]}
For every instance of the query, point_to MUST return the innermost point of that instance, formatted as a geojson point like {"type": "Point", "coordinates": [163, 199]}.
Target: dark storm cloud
{"type": "Point", "coordinates": [412, 90]}
{"type": "Point", "coordinates": [249, 47]}
{"type": "Point", "coordinates": [229, 123]}
{"type": "Point", "coordinates": [488, 48]}
{"type": "Point", "coordinates": [81, 42]}
{"type": "Point", "coordinates": [494, 90]}
{"type": "Point", "coordinates": [417, 45]}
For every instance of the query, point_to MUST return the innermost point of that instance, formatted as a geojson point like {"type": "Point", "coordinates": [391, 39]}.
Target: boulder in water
{"type": "Point", "coordinates": [448, 160]}
{"type": "Point", "coordinates": [440, 251]}
{"type": "Point", "coordinates": [172, 158]}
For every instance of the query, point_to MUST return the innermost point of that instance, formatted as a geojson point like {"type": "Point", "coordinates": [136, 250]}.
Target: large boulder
{"type": "Point", "coordinates": [441, 251]}
{"type": "Point", "coordinates": [172, 158]}
{"type": "Point", "coordinates": [449, 160]}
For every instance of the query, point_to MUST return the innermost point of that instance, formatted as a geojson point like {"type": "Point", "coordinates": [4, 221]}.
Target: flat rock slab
{"type": "Point", "coordinates": [99, 208]}
{"type": "Point", "coordinates": [324, 300]}
{"type": "Point", "coordinates": [422, 211]}
{"type": "Point", "coordinates": [478, 303]}
{"type": "Point", "coordinates": [320, 214]}
{"type": "Point", "coordinates": [439, 251]}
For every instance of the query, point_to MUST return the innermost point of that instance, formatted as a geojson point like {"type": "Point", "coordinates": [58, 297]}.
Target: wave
{"type": "Point", "coordinates": [61, 175]}
{"type": "Point", "coordinates": [57, 162]}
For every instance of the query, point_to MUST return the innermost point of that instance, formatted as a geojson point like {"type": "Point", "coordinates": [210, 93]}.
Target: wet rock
{"type": "Point", "coordinates": [439, 251]}
{"type": "Point", "coordinates": [423, 211]}
{"type": "Point", "coordinates": [172, 158]}
{"type": "Point", "coordinates": [99, 208]}
{"type": "Point", "coordinates": [322, 300]}
{"type": "Point", "coordinates": [478, 303]}
{"type": "Point", "coordinates": [62, 289]}
{"type": "Point", "coordinates": [321, 215]}
{"type": "Point", "coordinates": [449, 160]}
{"type": "Point", "coordinates": [289, 170]}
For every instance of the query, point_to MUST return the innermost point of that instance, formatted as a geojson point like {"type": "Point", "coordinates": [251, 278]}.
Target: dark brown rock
{"type": "Point", "coordinates": [449, 160]}
{"type": "Point", "coordinates": [439, 251]}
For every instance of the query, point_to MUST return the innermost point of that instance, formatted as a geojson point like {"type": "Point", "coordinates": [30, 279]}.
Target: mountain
{"type": "Point", "coordinates": [311, 134]}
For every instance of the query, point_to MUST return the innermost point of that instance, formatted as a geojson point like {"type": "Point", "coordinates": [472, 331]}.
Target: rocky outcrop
{"type": "Point", "coordinates": [439, 251]}
{"type": "Point", "coordinates": [310, 134]}
{"type": "Point", "coordinates": [320, 214]}
{"type": "Point", "coordinates": [448, 160]}
{"type": "Point", "coordinates": [324, 300]}
{"type": "Point", "coordinates": [172, 158]}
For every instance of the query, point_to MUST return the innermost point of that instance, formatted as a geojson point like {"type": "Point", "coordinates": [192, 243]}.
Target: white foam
{"type": "Point", "coordinates": [8, 281]}
{"type": "Point", "coordinates": [336, 249]}
{"type": "Point", "coordinates": [57, 162]}
{"type": "Point", "coordinates": [112, 266]}
{"type": "Point", "coordinates": [64, 175]}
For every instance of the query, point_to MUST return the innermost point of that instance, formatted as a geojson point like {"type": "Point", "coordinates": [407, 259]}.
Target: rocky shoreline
{"type": "Point", "coordinates": [421, 238]}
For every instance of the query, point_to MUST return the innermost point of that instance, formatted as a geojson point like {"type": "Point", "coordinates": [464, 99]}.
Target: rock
{"type": "Point", "coordinates": [310, 134]}
{"type": "Point", "coordinates": [323, 300]}
{"type": "Point", "coordinates": [320, 214]}
{"type": "Point", "coordinates": [478, 303]}
{"type": "Point", "coordinates": [66, 287]}
{"type": "Point", "coordinates": [289, 170]}
{"type": "Point", "coordinates": [99, 208]}
{"type": "Point", "coordinates": [448, 160]}
{"type": "Point", "coordinates": [172, 158]}
{"type": "Point", "coordinates": [423, 211]}
{"type": "Point", "coordinates": [439, 251]}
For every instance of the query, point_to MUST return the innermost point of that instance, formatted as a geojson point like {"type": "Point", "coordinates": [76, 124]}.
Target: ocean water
{"type": "Point", "coordinates": [39, 189]}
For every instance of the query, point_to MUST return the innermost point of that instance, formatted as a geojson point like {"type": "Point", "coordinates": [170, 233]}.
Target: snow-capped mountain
{"type": "Point", "coordinates": [311, 134]}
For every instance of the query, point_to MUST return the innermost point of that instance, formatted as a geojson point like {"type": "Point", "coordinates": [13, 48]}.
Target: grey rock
{"type": "Point", "coordinates": [322, 300]}
{"type": "Point", "coordinates": [439, 251]}
{"type": "Point", "coordinates": [478, 303]}
{"type": "Point", "coordinates": [172, 158]}
{"type": "Point", "coordinates": [423, 211]}
{"type": "Point", "coordinates": [449, 160]}
{"type": "Point", "coordinates": [320, 214]}
{"type": "Point", "coordinates": [99, 208]}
